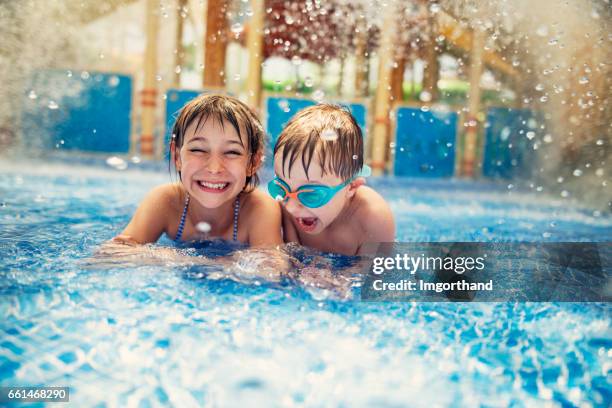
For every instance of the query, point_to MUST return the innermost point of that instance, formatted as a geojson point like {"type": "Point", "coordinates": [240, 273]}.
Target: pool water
{"type": "Point", "coordinates": [147, 335]}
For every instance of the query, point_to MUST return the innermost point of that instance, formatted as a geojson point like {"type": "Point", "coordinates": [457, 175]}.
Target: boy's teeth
{"type": "Point", "coordinates": [218, 186]}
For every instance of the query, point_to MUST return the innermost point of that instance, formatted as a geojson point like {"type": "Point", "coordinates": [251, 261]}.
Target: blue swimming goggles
{"type": "Point", "coordinates": [309, 195]}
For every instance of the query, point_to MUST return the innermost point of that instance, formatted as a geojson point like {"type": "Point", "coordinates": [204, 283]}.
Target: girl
{"type": "Point", "coordinates": [217, 148]}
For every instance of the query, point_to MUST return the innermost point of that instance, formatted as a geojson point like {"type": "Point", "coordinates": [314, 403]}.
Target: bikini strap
{"type": "Point", "coordinates": [181, 226]}
{"type": "Point", "coordinates": [236, 211]}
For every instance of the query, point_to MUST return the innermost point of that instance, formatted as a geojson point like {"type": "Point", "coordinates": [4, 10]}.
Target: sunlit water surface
{"type": "Point", "coordinates": [144, 336]}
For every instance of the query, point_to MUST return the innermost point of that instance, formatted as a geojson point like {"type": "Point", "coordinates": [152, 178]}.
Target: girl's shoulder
{"type": "Point", "coordinates": [257, 204]}
{"type": "Point", "coordinates": [167, 197]}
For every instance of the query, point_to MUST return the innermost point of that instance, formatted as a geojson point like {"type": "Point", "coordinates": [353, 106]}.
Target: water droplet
{"type": "Point", "coordinates": [69, 74]}
{"type": "Point", "coordinates": [101, 55]}
{"type": "Point", "coordinates": [565, 194]}
{"type": "Point", "coordinates": [53, 105]}
{"type": "Point", "coordinates": [308, 82]}
{"type": "Point", "coordinates": [329, 135]}
{"type": "Point", "coordinates": [515, 63]}
{"type": "Point", "coordinates": [530, 135]}
{"type": "Point", "coordinates": [434, 8]}
{"type": "Point", "coordinates": [177, 69]}
{"type": "Point", "coordinates": [117, 163]}
{"type": "Point", "coordinates": [85, 75]}
{"type": "Point", "coordinates": [553, 41]}
{"type": "Point", "coordinates": [577, 173]}
{"type": "Point", "coordinates": [279, 198]}
{"type": "Point", "coordinates": [539, 87]}
{"type": "Point", "coordinates": [135, 159]}
{"type": "Point", "coordinates": [237, 28]}
{"type": "Point", "coordinates": [32, 94]}
{"type": "Point", "coordinates": [158, 77]}
{"type": "Point", "coordinates": [505, 133]}
{"type": "Point", "coordinates": [548, 138]}
{"type": "Point", "coordinates": [318, 95]}
{"type": "Point", "coordinates": [583, 80]}
{"type": "Point", "coordinates": [296, 60]}
{"type": "Point", "coordinates": [236, 77]}
{"type": "Point", "coordinates": [355, 157]}
{"type": "Point", "coordinates": [599, 172]}
{"type": "Point", "coordinates": [203, 227]}
{"type": "Point", "coordinates": [284, 105]}
{"type": "Point", "coordinates": [560, 179]}
{"type": "Point", "coordinates": [546, 234]}
{"type": "Point", "coordinates": [425, 96]}
{"type": "Point", "coordinates": [599, 142]}
{"type": "Point", "coordinates": [113, 81]}
{"type": "Point", "coordinates": [510, 186]}
{"type": "Point", "coordinates": [543, 98]}
{"type": "Point", "coordinates": [542, 31]}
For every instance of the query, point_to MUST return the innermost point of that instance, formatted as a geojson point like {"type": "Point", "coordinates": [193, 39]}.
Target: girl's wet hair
{"type": "Point", "coordinates": [329, 132]}
{"type": "Point", "coordinates": [222, 108]}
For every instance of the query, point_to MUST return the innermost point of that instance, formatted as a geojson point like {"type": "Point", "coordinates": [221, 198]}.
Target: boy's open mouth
{"type": "Point", "coordinates": [307, 224]}
{"type": "Point", "coordinates": [212, 187]}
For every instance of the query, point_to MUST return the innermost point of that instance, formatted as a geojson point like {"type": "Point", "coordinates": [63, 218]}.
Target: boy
{"type": "Point", "coordinates": [317, 160]}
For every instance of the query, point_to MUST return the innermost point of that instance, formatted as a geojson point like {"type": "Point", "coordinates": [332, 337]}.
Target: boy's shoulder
{"type": "Point", "coordinates": [373, 214]}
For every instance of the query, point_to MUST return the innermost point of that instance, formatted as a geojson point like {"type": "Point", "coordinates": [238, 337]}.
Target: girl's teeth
{"type": "Point", "coordinates": [218, 186]}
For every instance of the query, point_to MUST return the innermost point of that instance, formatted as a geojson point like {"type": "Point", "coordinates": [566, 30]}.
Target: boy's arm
{"type": "Point", "coordinates": [151, 218]}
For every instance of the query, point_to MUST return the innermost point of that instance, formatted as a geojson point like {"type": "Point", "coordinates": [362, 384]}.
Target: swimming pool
{"type": "Point", "coordinates": [148, 336]}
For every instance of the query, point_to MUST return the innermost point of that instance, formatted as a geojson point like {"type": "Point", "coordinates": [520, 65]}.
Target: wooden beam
{"type": "Point", "coordinates": [215, 44]}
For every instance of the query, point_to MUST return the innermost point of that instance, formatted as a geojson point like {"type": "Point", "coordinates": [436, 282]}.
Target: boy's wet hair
{"type": "Point", "coordinates": [222, 108]}
{"type": "Point", "coordinates": [329, 132]}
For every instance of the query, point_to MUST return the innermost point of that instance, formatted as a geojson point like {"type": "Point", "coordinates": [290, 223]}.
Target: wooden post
{"type": "Point", "coordinates": [215, 44]}
{"type": "Point", "coordinates": [255, 46]}
{"type": "Point", "coordinates": [341, 75]}
{"type": "Point", "coordinates": [148, 94]}
{"type": "Point", "coordinates": [397, 79]}
{"type": "Point", "coordinates": [471, 130]}
{"type": "Point", "coordinates": [361, 62]}
{"type": "Point", "coordinates": [180, 50]}
{"type": "Point", "coordinates": [431, 74]}
{"type": "Point", "coordinates": [381, 112]}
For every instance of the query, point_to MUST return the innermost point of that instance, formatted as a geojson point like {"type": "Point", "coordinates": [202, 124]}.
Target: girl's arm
{"type": "Point", "coordinates": [151, 218]}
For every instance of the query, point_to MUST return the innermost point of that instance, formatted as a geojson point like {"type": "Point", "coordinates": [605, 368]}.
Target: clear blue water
{"type": "Point", "coordinates": [155, 335]}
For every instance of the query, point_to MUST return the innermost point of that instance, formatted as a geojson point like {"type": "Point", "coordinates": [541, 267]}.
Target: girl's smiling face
{"type": "Point", "coordinates": [213, 162]}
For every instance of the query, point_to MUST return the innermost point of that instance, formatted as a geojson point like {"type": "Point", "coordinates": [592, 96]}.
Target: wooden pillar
{"type": "Point", "coordinates": [381, 112]}
{"type": "Point", "coordinates": [361, 61]}
{"type": "Point", "coordinates": [148, 94]}
{"type": "Point", "coordinates": [215, 44]}
{"type": "Point", "coordinates": [397, 79]}
{"type": "Point", "coordinates": [431, 74]}
{"type": "Point", "coordinates": [471, 130]}
{"type": "Point", "coordinates": [180, 50]}
{"type": "Point", "coordinates": [341, 75]}
{"type": "Point", "coordinates": [255, 46]}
